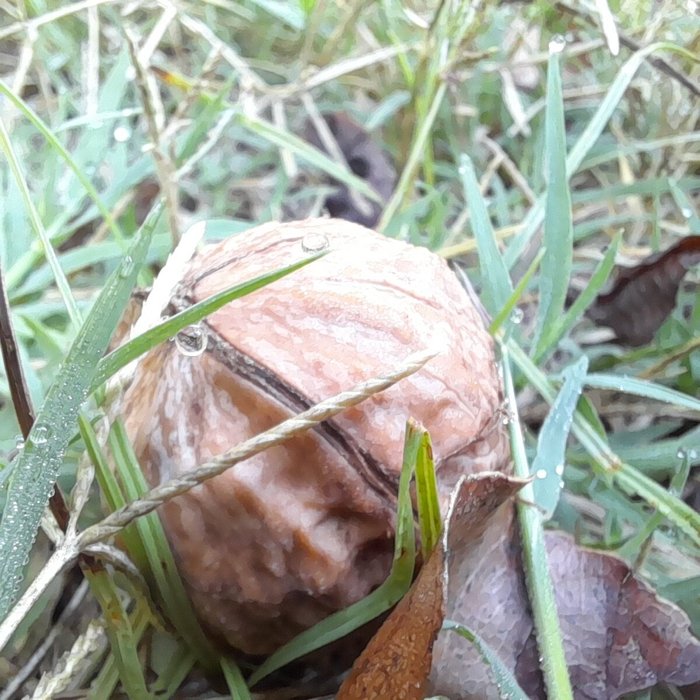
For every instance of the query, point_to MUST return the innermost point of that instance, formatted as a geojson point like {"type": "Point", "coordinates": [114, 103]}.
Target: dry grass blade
{"type": "Point", "coordinates": [294, 426]}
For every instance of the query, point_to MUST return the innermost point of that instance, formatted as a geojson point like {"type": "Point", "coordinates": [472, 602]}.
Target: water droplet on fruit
{"type": "Point", "coordinates": [314, 242]}
{"type": "Point", "coordinates": [191, 341]}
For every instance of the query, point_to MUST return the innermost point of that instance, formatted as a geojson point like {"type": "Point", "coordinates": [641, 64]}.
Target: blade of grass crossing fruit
{"type": "Point", "coordinates": [539, 582]}
{"type": "Point", "coordinates": [380, 600]}
{"type": "Point", "coordinates": [508, 686]}
{"type": "Point", "coordinates": [548, 465]}
{"type": "Point", "coordinates": [39, 463]}
{"type": "Point", "coordinates": [495, 280]}
{"type": "Point", "coordinates": [429, 519]}
{"type": "Point", "coordinates": [234, 680]}
{"type": "Point", "coordinates": [161, 564]}
{"type": "Point", "coordinates": [555, 268]}
{"type": "Point", "coordinates": [552, 335]}
{"type": "Point", "coordinates": [133, 349]}
{"type": "Point", "coordinates": [123, 639]}
{"type": "Point", "coordinates": [588, 137]}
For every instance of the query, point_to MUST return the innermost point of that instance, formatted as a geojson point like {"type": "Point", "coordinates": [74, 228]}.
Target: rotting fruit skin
{"type": "Point", "coordinates": [280, 541]}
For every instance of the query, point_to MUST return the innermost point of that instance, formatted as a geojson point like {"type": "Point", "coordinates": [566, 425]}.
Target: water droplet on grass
{"type": "Point", "coordinates": [121, 134]}
{"type": "Point", "coordinates": [126, 267]}
{"type": "Point", "coordinates": [40, 434]}
{"type": "Point", "coordinates": [557, 44]}
{"type": "Point", "coordinates": [517, 315]}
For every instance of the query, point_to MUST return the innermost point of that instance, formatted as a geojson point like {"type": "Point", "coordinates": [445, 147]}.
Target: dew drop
{"type": "Point", "coordinates": [687, 212]}
{"type": "Point", "coordinates": [557, 44]}
{"type": "Point", "coordinates": [517, 315]}
{"type": "Point", "coordinates": [191, 341]}
{"type": "Point", "coordinates": [314, 242]}
{"type": "Point", "coordinates": [121, 134]}
{"type": "Point", "coordinates": [681, 454]}
{"type": "Point", "coordinates": [40, 434]}
{"type": "Point", "coordinates": [126, 267]}
{"type": "Point", "coordinates": [541, 473]}
{"type": "Point", "coordinates": [19, 442]}
{"type": "Point", "coordinates": [559, 469]}
{"type": "Point", "coordinates": [692, 454]}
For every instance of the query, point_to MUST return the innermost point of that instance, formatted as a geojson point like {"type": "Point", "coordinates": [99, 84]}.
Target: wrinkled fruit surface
{"type": "Point", "coordinates": [280, 541]}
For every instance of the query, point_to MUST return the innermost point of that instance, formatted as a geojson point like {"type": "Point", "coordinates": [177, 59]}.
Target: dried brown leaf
{"type": "Point", "coordinates": [643, 296]}
{"type": "Point", "coordinates": [397, 661]}
{"type": "Point", "coordinates": [619, 636]}
{"type": "Point", "coordinates": [366, 159]}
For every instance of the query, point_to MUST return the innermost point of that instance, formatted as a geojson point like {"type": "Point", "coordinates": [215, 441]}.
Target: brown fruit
{"type": "Point", "coordinates": [280, 541]}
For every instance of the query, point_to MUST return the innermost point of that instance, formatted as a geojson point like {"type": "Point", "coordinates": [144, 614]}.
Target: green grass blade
{"type": "Point", "coordinates": [555, 332]}
{"type": "Point", "coordinates": [38, 465]}
{"type": "Point", "coordinates": [555, 268]}
{"type": "Point", "coordinates": [497, 287]}
{"type": "Point", "coordinates": [686, 206]}
{"type": "Point", "coordinates": [123, 638]}
{"type": "Point", "coordinates": [234, 680]}
{"type": "Point", "coordinates": [311, 155]}
{"type": "Point", "coordinates": [429, 518]}
{"type": "Point", "coordinates": [588, 137]}
{"type": "Point", "coordinates": [539, 581]}
{"type": "Point", "coordinates": [644, 388]}
{"type": "Point", "coordinates": [406, 180]}
{"type": "Point", "coordinates": [49, 252]}
{"type": "Point", "coordinates": [172, 676]}
{"type": "Point", "coordinates": [506, 311]}
{"type": "Point", "coordinates": [508, 686]}
{"type": "Point", "coordinates": [55, 144]}
{"type": "Point", "coordinates": [112, 363]}
{"type": "Point", "coordinates": [380, 600]}
{"type": "Point", "coordinates": [631, 480]}
{"type": "Point", "coordinates": [548, 465]}
{"type": "Point", "coordinates": [161, 567]}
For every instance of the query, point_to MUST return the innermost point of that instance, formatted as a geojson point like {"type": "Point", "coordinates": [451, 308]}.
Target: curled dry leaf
{"type": "Point", "coordinates": [366, 159]}
{"type": "Point", "coordinates": [619, 636]}
{"type": "Point", "coordinates": [397, 661]}
{"type": "Point", "coordinates": [277, 543]}
{"type": "Point", "coordinates": [643, 296]}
